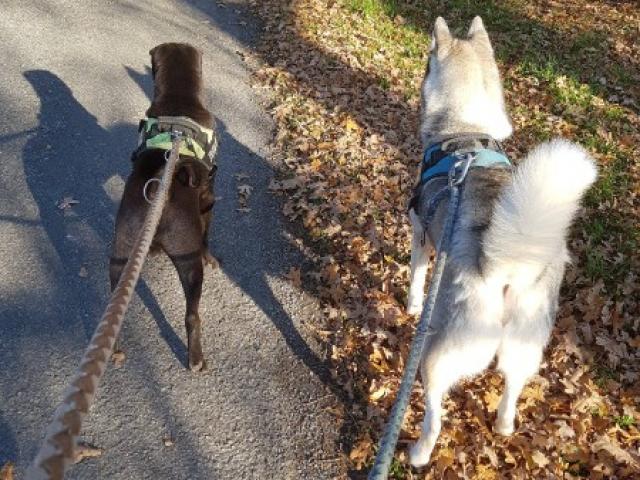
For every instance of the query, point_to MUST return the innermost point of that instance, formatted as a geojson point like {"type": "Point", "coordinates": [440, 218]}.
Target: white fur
{"type": "Point", "coordinates": [465, 83]}
{"type": "Point", "coordinates": [506, 307]}
{"type": "Point", "coordinates": [419, 265]}
{"type": "Point", "coordinates": [534, 212]}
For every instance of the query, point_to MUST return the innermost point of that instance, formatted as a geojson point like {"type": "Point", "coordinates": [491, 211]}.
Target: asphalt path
{"type": "Point", "coordinates": [74, 82]}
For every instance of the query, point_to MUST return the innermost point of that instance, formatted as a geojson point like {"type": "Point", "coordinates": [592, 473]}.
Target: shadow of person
{"type": "Point", "coordinates": [8, 446]}
{"type": "Point", "coordinates": [70, 156]}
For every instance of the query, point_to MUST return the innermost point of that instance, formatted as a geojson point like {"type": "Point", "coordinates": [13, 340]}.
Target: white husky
{"type": "Point", "coordinates": [499, 290]}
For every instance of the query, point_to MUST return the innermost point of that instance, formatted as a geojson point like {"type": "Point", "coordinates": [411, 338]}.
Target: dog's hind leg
{"type": "Point", "coordinates": [420, 452]}
{"type": "Point", "coordinates": [206, 215]}
{"type": "Point", "coordinates": [190, 271]}
{"type": "Point", "coordinates": [518, 361]}
{"type": "Point", "coordinates": [420, 249]}
{"type": "Point", "coordinates": [525, 334]}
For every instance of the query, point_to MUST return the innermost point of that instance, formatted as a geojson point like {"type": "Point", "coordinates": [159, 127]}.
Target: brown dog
{"type": "Point", "coordinates": [183, 230]}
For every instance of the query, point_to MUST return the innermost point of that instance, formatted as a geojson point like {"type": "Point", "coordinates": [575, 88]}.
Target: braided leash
{"type": "Point", "coordinates": [56, 452]}
{"type": "Point", "coordinates": [387, 446]}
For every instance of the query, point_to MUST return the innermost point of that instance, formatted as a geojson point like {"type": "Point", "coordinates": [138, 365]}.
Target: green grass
{"type": "Point", "coordinates": [622, 75]}
{"type": "Point", "coordinates": [588, 42]}
{"type": "Point", "coordinates": [570, 93]}
{"type": "Point", "coordinates": [397, 469]}
{"type": "Point", "coordinates": [373, 7]}
{"type": "Point", "coordinates": [624, 421]}
{"type": "Point", "coordinates": [561, 63]}
{"type": "Point", "coordinates": [602, 373]}
{"type": "Point", "coordinates": [613, 179]}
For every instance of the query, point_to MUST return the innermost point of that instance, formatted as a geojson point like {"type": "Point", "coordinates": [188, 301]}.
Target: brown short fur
{"type": "Point", "coordinates": [183, 230]}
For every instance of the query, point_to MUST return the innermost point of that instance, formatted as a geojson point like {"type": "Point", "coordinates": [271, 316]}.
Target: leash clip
{"type": "Point", "coordinates": [460, 168]}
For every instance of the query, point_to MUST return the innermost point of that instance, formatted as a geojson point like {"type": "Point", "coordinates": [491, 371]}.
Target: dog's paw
{"type": "Point", "coordinates": [208, 259]}
{"type": "Point", "coordinates": [503, 428]}
{"type": "Point", "coordinates": [118, 357]}
{"type": "Point", "coordinates": [414, 308]}
{"type": "Point", "coordinates": [197, 365]}
{"type": "Point", "coordinates": [419, 454]}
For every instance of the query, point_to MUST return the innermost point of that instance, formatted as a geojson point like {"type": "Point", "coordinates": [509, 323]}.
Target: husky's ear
{"type": "Point", "coordinates": [478, 34]}
{"type": "Point", "coordinates": [441, 38]}
{"type": "Point", "coordinates": [477, 27]}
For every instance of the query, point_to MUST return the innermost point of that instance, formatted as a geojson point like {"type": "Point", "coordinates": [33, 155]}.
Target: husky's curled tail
{"type": "Point", "coordinates": [534, 211]}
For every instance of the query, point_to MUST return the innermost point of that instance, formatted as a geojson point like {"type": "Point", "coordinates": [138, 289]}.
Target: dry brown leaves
{"type": "Point", "coordinates": [6, 472]}
{"type": "Point", "coordinates": [85, 450]}
{"type": "Point", "coordinates": [346, 117]}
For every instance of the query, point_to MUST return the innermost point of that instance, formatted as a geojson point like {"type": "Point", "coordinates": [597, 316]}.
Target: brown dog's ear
{"type": "Point", "coordinates": [152, 51]}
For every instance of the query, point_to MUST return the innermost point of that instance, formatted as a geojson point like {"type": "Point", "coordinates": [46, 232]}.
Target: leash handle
{"type": "Point", "coordinates": [57, 450]}
{"type": "Point", "coordinates": [387, 445]}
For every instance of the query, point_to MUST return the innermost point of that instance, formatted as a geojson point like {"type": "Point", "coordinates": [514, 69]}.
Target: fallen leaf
{"type": "Point", "coordinates": [241, 176]}
{"type": "Point", "coordinates": [245, 189]}
{"type": "Point", "coordinates": [6, 472]}
{"type": "Point", "coordinates": [168, 441]}
{"type": "Point", "coordinates": [85, 450]}
{"type": "Point", "coordinates": [540, 458]}
{"type": "Point", "coordinates": [492, 399]}
{"type": "Point", "coordinates": [621, 455]}
{"type": "Point", "coordinates": [361, 452]}
{"type": "Point", "coordinates": [118, 358]}
{"type": "Point", "coordinates": [66, 202]}
{"type": "Point", "coordinates": [294, 276]}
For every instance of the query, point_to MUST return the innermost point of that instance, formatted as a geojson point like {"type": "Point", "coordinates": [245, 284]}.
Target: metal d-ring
{"type": "Point", "coordinates": [146, 185]}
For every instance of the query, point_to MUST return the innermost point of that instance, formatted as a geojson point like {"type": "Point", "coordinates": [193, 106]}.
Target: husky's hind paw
{"type": "Point", "coordinates": [419, 454]}
{"type": "Point", "coordinates": [414, 308]}
{"type": "Point", "coordinates": [503, 428]}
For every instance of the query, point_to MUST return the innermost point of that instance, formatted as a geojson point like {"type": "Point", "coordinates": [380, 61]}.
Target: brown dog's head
{"type": "Point", "coordinates": [177, 79]}
{"type": "Point", "coordinates": [177, 56]}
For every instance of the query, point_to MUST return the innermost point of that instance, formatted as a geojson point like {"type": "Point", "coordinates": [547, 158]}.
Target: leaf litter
{"type": "Point", "coordinates": [343, 79]}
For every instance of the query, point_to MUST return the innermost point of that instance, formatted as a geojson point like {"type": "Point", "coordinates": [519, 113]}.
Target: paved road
{"type": "Point", "coordinates": [74, 82]}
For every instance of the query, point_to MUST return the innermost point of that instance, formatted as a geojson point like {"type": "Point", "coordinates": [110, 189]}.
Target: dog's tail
{"type": "Point", "coordinates": [532, 214]}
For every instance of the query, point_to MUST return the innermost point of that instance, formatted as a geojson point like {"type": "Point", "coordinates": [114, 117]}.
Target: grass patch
{"type": "Point", "coordinates": [602, 374]}
{"type": "Point", "coordinates": [365, 59]}
{"type": "Point", "coordinates": [624, 421]}
{"type": "Point", "coordinates": [570, 93]}
{"type": "Point", "coordinates": [373, 7]}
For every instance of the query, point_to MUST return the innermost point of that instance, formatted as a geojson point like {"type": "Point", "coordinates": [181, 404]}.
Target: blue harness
{"type": "Point", "coordinates": [441, 157]}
